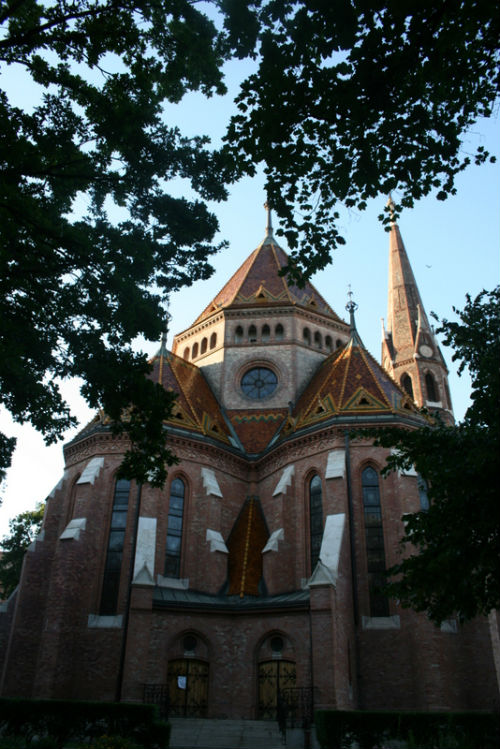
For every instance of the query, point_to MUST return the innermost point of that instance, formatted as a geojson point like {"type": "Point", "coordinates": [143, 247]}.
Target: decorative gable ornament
{"type": "Point", "coordinates": [362, 400]}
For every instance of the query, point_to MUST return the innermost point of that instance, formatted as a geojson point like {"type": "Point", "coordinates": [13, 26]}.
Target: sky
{"type": "Point", "coordinates": [453, 247]}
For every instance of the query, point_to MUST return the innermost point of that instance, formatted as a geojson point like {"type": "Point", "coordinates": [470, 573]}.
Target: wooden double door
{"type": "Point", "coordinates": [188, 688]}
{"type": "Point", "coordinates": [274, 676]}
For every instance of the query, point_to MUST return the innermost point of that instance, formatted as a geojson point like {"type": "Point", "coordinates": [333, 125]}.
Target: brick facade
{"type": "Point", "coordinates": [246, 467]}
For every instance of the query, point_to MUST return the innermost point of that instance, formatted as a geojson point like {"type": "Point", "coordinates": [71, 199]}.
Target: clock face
{"type": "Point", "coordinates": [425, 350]}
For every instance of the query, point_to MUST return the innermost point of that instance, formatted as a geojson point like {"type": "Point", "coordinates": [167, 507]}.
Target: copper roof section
{"type": "Point", "coordinates": [245, 544]}
{"type": "Point", "coordinates": [348, 382]}
{"type": "Point", "coordinates": [257, 282]}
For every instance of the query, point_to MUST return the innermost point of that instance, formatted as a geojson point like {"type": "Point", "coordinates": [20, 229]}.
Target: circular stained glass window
{"type": "Point", "coordinates": [259, 382]}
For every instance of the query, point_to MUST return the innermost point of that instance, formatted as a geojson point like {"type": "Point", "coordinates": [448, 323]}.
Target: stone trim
{"type": "Point", "coordinates": [105, 622]}
{"type": "Point", "coordinates": [381, 622]}
{"type": "Point", "coordinates": [145, 547]}
{"type": "Point", "coordinates": [172, 582]}
{"type": "Point", "coordinates": [335, 466]}
{"type": "Point", "coordinates": [285, 480]}
{"type": "Point", "coordinates": [73, 529]}
{"type": "Point", "coordinates": [273, 540]}
{"type": "Point", "coordinates": [210, 482]}
{"type": "Point", "coordinates": [214, 538]}
{"type": "Point", "coordinates": [91, 471]}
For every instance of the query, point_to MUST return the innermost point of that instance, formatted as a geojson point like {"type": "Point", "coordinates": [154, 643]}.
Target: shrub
{"type": "Point", "coordinates": [338, 729]}
{"type": "Point", "coordinates": [59, 722]}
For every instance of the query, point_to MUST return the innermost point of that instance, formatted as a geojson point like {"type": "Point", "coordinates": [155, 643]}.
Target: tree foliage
{"type": "Point", "coordinates": [352, 98]}
{"type": "Point", "coordinates": [454, 547]}
{"type": "Point", "coordinates": [357, 98]}
{"type": "Point", "coordinates": [23, 529]}
{"type": "Point", "coordinates": [91, 241]}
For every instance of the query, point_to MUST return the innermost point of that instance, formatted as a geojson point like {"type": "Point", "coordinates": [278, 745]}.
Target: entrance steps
{"type": "Point", "coordinates": [201, 733]}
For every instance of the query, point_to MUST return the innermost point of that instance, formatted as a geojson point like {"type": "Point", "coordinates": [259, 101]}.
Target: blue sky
{"type": "Point", "coordinates": [452, 245]}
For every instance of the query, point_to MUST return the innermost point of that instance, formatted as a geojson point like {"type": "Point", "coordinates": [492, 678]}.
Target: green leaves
{"type": "Point", "coordinates": [23, 529]}
{"type": "Point", "coordinates": [76, 280]}
{"type": "Point", "coordinates": [353, 100]}
{"type": "Point", "coordinates": [450, 553]}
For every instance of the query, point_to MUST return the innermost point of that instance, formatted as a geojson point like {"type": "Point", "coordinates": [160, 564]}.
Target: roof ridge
{"type": "Point", "coordinates": [285, 285]}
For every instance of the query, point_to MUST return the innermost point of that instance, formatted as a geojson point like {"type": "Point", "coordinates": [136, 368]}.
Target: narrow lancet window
{"type": "Point", "coordinates": [315, 518]}
{"type": "Point", "coordinates": [374, 538]}
{"type": "Point", "coordinates": [114, 556]}
{"type": "Point", "coordinates": [407, 384]}
{"type": "Point", "coordinates": [174, 528]}
{"type": "Point", "coordinates": [430, 386]}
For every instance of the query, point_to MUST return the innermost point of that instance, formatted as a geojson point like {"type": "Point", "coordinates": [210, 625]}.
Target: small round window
{"type": "Point", "coordinates": [259, 382]}
{"type": "Point", "coordinates": [277, 644]}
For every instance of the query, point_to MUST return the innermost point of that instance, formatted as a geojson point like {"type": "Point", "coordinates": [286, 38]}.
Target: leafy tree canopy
{"type": "Point", "coordinates": [23, 529]}
{"type": "Point", "coordinates": [357, 98]}
{"type": "Point", "coordinates": [454, 547]}
{"type": "Point", "coordinates": [351, 98]}
{"type": "Point", "coordinates": [77, 285]}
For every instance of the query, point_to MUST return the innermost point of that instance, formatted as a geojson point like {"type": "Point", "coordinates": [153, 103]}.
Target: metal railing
{"type": "Point", "coordinates": [157, 694]}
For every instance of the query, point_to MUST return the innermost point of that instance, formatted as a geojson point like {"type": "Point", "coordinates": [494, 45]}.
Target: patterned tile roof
{"type": "Point", "coordinates": [348, 382]}
{"type": "Point", "coordinates": [196, 407]}
{"type": "Point", "coordinates": [255, 429]}
{"type": "Point", "coordinates": [257, 282]}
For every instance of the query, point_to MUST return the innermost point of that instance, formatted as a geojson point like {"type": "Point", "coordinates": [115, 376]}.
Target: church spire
{"type": "Point", "coordinates": [410, 352]}
{"type": "Point", "coordinates": [269, 238]}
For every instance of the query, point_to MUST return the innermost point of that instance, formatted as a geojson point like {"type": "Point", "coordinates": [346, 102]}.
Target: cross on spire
{"type": "Point", "coordinates": [351, 307]}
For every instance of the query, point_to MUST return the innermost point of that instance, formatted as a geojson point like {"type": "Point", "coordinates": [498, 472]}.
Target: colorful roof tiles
{"type": "Point", "coordinates": [257, 281]}
{"type": "Point", "coordinates": [196, 407]}
{"type": "Point", "coordinates": [348, 382]}
{"type": "Point", "coordinates": [255, 429]}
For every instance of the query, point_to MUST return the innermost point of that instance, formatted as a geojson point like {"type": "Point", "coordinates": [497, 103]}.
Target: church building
{"type": "Point", "coordinates": [256, 569]}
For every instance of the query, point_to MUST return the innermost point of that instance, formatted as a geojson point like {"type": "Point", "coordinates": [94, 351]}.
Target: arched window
{"type": "Point", "coordinates": [195, 351]}
{"type": "Point", "coordinates": [407, 384]}
{"type": "Point", "coordinates": [252, 334]}
{"type": "Point", "coordinates": [174, 528]}
{"type": "Point", "coordinates": [338, 343]}
{"type": "Point", "coordinates": [315, 518]}
{"type": "Point", "coordinates": [422, 493]}
{"type": "Point", "coordinates": [266, 333]}
{"type": "Point", "coordinates": [279, 333]}
{"type": "Point", "coordinates": [186, 353]}
{"type": "Point", "coordinates": [430, 386]}
{"type": "Point", "coordinates": [204, 346]}
{"type": "Point", "coordinates": [374, 538]}
{"type": "Point", "coordinates": [318, 341]}
{"type": "Point", "coordinates": [238, 334]}
{"type": "Point", "coordinates": [329, 343]}
{"type": "Point", "coordinates": [114, 556]}
{"type": "Point", "coordinates": [306, 335]}
{"type": "Point", "coordinates": [213, 340]}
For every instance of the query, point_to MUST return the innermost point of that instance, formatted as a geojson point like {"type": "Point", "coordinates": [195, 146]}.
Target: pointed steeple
{"type": "Point", "coordinates": [410, 352]}
{"type": "Point", "coordinates": [351, 307]}
{"type": "Point", "coordinates": [269, 238]}
{"type": "Point", "coordinates": [258, 281]}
